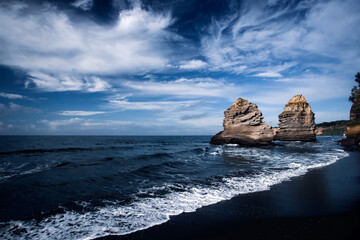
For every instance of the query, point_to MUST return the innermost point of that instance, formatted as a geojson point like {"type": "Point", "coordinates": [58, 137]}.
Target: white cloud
{"type": "Point", "coordinates": [187, 88]}
{"type": "Point", "coordinates": [79, 113]}
{"type": "Point", "coordinates": [85, 5]}
{"type": "Point", "coordinates": [193, 65]}
{"type": "Point", "coordinates": [152, 106]}
{"type": "Point", "coordinates": [271, 71]}
{"type": "Point", "coordinates": [137, 42]}
{"type": "Point", "coordinates": [65, 82]}
{"type": "Point", "coordinates": [11, 95]}
{"type": "Point", "coordinates": [268, 74]}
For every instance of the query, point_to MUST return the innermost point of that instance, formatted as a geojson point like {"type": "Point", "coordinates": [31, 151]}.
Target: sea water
{"type": "Point", "coordinates": [82, 187]}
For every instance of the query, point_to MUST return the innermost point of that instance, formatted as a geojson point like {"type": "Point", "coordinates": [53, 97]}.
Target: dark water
{"type": "Point", "coordinates": [81, 187]}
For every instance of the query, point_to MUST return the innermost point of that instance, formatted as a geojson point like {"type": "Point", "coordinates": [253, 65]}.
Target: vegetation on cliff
{"type": "Point", "coordinates": [332, 128]}
{"type": "Point", "coordinates": [356, 89]}
{"type": "Point", "coordinates": [335, 127]}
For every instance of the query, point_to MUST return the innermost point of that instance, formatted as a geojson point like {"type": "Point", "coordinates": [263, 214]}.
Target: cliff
{"type": "Point", "coordinates": [352, 140]}
{"type": "Point", "coordinates": [332, 128]}
{"type": "Point", "coordinates": [297, 121]}
{"type": "Point", "coordinates": [243, 125]}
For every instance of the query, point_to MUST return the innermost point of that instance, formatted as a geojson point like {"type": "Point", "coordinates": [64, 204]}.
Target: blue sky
{"type": "Point", "coordinates": [170, 67]}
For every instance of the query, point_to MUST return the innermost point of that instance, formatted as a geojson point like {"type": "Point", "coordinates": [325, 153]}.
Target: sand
{"type": "Point", "coordinates": [323, 204]}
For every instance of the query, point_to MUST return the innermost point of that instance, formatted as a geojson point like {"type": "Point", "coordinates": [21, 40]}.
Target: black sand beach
{"type": "Point", "coordinates": [323, 204]}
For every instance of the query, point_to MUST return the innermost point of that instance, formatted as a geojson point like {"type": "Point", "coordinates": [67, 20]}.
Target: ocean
{"type": "Point", "coordinates": [83, 187]}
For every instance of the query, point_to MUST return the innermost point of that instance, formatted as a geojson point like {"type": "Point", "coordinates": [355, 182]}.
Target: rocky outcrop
{"type": "Point", "coordinates": [352, 140]}
{"type": "Point", "coordinates": [297, 121]}
{"type": "Point", "coordinates": [243, 125]}
{"type": "Point", "coordinates": [275, 130]}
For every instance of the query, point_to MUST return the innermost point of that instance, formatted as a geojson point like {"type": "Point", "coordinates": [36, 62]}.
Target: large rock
{"type": "Point", "coordinates": [296, 122]}
{"type": "Point", "coordinates": [243, 125]}
{"type": "Point", "coordinates": [352, 140]}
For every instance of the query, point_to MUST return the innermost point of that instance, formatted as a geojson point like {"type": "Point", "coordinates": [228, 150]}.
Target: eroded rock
{"type": "Point", "coordinates": [243, 125]}
{"type": "Point", "coordinates": [297, 121]}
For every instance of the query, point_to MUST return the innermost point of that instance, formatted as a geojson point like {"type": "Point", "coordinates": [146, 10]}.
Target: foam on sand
{"type": "Point", "coordinates": [143, 213]}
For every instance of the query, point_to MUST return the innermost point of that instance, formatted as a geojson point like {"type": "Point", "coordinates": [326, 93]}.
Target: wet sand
{"type": "Point", "coordinates": [323, 204]}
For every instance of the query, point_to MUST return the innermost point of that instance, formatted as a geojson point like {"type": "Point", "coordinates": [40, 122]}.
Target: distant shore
{"type": "Point", "coordinates": [323, 204]}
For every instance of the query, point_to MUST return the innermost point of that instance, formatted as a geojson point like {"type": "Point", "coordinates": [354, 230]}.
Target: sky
{"type": "Point", "coordinates": [120, 67]}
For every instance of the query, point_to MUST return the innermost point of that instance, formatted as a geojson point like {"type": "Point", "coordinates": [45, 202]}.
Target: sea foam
{"type": "Point", "coordinates": [142, 213]}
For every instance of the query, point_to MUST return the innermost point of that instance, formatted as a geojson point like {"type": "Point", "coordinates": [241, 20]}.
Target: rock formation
{"type": "Point", "coordinates": [352, 140]}
{"type": "Point", "coordinates": [296, 122]}
{"type": "Point", "coordinates": [243, 125]}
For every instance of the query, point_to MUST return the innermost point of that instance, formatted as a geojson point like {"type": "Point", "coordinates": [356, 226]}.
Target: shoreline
{"type": "Point", "coordinates": [325, 202]}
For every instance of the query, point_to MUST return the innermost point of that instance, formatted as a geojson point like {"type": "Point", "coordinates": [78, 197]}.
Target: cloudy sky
{"type": "Point", "coordinates": [170, 67]}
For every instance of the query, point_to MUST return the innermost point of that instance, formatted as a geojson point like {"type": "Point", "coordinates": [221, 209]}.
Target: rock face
{"type": "Point", "coordinates": [296, 122]}
{"type": "Point", "coordinates": [352, 140]}
{"type": "Point", "coordinates": [243, 125]}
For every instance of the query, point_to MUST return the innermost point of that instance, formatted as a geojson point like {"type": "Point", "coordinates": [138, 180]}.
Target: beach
{"type": "Point", "coordinates": [323, 203]}
{"type": "Point", "coordinates": [175, 187]}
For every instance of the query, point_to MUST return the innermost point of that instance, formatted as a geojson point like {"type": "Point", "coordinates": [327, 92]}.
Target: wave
{"type": "Point", "coordinates": [152, 156]}
{"type": "Point", "coordinates": [70, 149]}
{"type": "Point", "coordinates": [157, 169]}
{"type": "Point", "coordinates": [145, 212]}
{"type": "Point", "coordinates": [34, 151]}
{"type": "Point", "coordinates": [12, 171]}
{"type": "Point", "coordinates": [13, 174]}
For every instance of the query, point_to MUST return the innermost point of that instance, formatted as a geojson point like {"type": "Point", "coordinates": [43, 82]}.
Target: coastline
{"type": "Point", "coordinates": [325, 202]}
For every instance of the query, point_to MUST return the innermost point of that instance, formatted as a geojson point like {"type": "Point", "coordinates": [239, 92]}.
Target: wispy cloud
{"type": "Point", "coordinates": [310, 35]}
{"type": "Point", "coordinates": [194, 116]}
{"type": "Point", "coordinates": [193, 65]}
{"type": "Point", "coordinates": [67, 82]}
{"type": "Point", "coordinates": [150, 105]}
{"type": "Point", "coordinates": [79, 113]}
{"type": "Point", "coordinates": [85, 5]}
{"type": "Point", "coordinates": [81, 123]}
{"type": "Point", "coordinates": [187, 88]}
{"type": "Point", "coordinates": [11, 95]}
{"type": "Point", "coordinates": [188, 113]}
